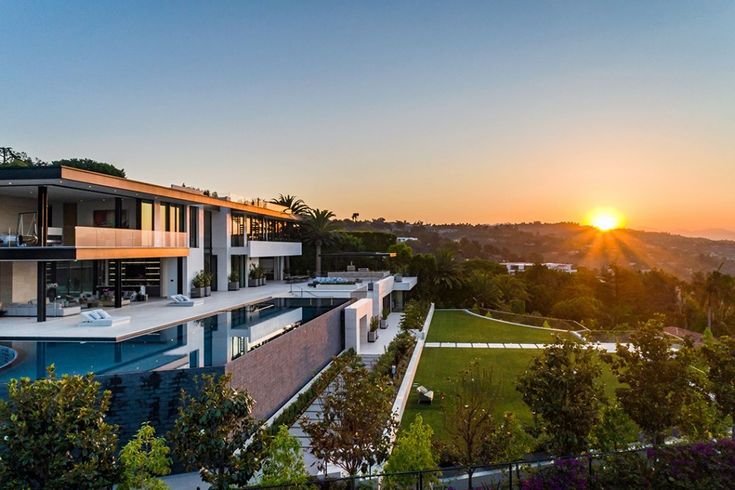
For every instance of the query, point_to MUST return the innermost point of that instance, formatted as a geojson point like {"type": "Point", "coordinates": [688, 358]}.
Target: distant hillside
{"type": "Point", "coordinates": [569, 242]}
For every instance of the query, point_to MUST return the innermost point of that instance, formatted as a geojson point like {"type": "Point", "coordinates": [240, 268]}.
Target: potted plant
{"type": "Point", "coordinates": [257, 275]}
{"type": "Point", "coordinates": [233, 283]}
{"type": "Point", "coordinates": [201, 284]}
{"type": "Point", "coordinates": [374, 325]}
{"type": "Point", "coordinates": [384, 320]}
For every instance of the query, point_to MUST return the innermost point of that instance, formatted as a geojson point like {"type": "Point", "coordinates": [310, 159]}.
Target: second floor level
{"type": "Point", "coordinates": [75, 214]}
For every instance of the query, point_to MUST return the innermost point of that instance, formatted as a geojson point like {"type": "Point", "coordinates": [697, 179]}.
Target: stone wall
{"type": "Point", "coordinates": [277, 370]}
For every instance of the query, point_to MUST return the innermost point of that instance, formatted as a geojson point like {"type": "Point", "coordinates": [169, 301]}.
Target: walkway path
{"type": "Point", "coordinates": [485, 345]}
{"type": "Point", "coordinates": [606, 346]}
{"type": "Point", "coordinates": [369, 354]}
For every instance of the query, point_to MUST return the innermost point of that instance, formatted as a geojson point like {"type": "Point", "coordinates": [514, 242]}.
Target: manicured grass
{"type": "Point", "coordinates": [438, 365]}
{"type": "Point", "coordinates": [460, 326]}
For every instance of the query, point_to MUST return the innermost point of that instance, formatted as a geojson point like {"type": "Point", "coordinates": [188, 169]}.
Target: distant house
{"type": "Point", "coordinates": [404, 239]}
{"type": "Point", "coordinates": [514, 267]}
{"type": "Point", "coordinates": [683, 333]}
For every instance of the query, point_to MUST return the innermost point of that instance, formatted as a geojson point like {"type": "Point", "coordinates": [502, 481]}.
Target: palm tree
{"type": "Point", "coordinates": [318, 229]}
{"type": "Point", "coordinates": [447, 275]}
{"type": "Point", "coordinates": [296, 205]}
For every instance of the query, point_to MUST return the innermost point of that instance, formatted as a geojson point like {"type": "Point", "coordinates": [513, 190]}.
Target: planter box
{"type": "Point", "coordinates": [383, 324]}
{"type": "Point", "coordinates": [208, 291]}
{"type": "Point", "coordinates": [233, 286]}
{"type": "Point", "coordinates": [372, 336]}
{"type": "Point", "coordinates": [197, 292]}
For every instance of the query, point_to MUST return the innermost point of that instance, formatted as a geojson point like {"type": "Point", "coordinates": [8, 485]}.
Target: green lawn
{"type": "Point", "coordinates": [459, 326]}
{"type": "Point", "coordinates": [439, 364]}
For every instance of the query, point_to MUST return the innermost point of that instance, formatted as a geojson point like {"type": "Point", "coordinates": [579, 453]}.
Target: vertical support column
{"type": "Point", "coordinates": [118, 262]}
{"type": "Point", "coordinates": [118, 283]}
{"type": "Point", "coordinates": [179, 275]}
{"type": "Point", "coordinates": [42, 216]}
{"type": "Point", "coordinates": [118, 351]}
{"type": "Point", "coordinates": [42, 234]}
{"type": "Point", "coordinates": [41, 291]}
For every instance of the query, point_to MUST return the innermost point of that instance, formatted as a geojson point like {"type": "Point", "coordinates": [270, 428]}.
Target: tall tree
{"type": "Point", "coordinates": [655, 380]}
{"type": "Point", "coordinates": [412, 452]}
{"type": "Point", "coordinates": [468, 415]}
{"type": "Point", "coordinates": [563, 387]}
{"type": "Point", "coordinates": [53, 434]}
{"type": "Point", "coordinates": [213, 431]}
{"type": "Point", "coordinates": [144, 458]}
{"type": "Point", "coordinates": [319, 230]}
{"type": "Point", "coordinates": [719, 354]}
{"type": "Point", "coordinates": [296, 205]}
{"type": "Point", "coordinates": [283, 463]}
{"type": "Point", "coordinates": [354, 429]}
{"type": "Point", "coordinates": [447, 274]}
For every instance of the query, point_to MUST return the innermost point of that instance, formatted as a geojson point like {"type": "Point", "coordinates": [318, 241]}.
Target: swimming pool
{"type": "Point", "coordinates": [211, 341]}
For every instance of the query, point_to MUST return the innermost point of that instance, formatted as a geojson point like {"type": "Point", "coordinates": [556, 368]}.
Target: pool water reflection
{"type": "Point", "coordinates": [211, 341]}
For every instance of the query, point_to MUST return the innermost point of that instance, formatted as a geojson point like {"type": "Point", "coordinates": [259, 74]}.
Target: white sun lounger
{"type": "Point", "coordinates": [100, 318]}
{"type": "Point", "coordinates": [181, 300]}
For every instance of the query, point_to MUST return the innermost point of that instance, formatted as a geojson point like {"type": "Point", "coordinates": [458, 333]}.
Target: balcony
{"type": "Point", "coordinates": [91, 237]}
{"type": "Point", "coordinates": [89, 243]}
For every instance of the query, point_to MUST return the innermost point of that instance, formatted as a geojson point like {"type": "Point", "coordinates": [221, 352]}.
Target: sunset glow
{"type": "Point", "coordinates": [605, 219]}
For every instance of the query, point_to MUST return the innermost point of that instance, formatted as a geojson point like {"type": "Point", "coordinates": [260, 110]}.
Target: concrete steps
{"type": "Point", "coordinates": [369, 360]}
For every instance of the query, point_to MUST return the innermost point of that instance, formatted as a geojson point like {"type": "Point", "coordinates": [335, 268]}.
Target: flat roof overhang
{"type": "Point", "coordinates": [92, 181]}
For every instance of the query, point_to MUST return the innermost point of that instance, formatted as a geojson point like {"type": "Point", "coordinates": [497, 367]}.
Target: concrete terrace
{"type": "Point", "coordinates": [145, 317]}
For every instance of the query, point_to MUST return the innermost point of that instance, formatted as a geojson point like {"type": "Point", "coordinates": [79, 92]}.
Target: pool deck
{"type": "Point", "coordinates": [144, 317]}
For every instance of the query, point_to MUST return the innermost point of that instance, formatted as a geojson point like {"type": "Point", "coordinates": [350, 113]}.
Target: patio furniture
{"type": "Point", "coordinates": [425, 395]}
{"type": "Point", "coordinates": [52, 309]}
{"type": "Point", "coordinates": [100, 318]}
{"type": "Point", "coordinates": [181, 300]}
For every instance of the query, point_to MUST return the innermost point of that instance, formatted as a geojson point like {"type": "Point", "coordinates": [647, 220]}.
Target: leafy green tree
{"type": "Point", "coordinates": [143, 459]}
{"type": "Point", "coordinates": [468, 416]}
{"type": "Point", "coordinates": [91, 165]}
{"type": "Point", "coordinates": [53, 434]}
{"type": "Point", "coordinates": [296, 205]}
{"type": "Point", "coordinates": [580, 308]}
{"type": "Point", "coordinates": [715, 293]}
{"type": "Point", "coordinates": [615, 430]}
{"type": "Point", "coordinates": [354, 429]}
{"type": "Point", "coordinates": [507, 441]}
{"type": "Point", "coordinates": [213, 431]}
{"type": "Point", "coordinates": [719, 355]}
{"type": "Point", "coordinates": [402, 260]}
{"type": "Point", "coordinates": [655, 380]}
{"type": "Point", "coordinates": [318, 229]}
{"type": "Point", "coordinates": [283, 463]}
{"type": "Point", "coordinates": [562, 387]}
{"type": "Point", "coordinates": [413, 451]}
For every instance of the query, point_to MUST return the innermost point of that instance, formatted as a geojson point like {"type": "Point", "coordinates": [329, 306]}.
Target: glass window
{"type": "Point", "coordinates": [146, 216]}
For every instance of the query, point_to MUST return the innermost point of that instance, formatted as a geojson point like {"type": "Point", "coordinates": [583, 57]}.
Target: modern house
{"type": "Point", "coordinates": [69, 237]}
{"type": "Point", "coordinates": [73, 242]}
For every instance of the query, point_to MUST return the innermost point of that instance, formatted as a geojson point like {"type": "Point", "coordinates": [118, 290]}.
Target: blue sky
{"type": "Point", "coordinates": [440, 111]}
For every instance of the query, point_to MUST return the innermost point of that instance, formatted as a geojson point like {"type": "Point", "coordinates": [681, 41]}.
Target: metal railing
{"type": "Point", "coordinates": [648, 467]}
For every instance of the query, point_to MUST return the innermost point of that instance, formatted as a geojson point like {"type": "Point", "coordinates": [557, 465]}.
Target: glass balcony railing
{"type": "Point", "coordinates": [90, 237]}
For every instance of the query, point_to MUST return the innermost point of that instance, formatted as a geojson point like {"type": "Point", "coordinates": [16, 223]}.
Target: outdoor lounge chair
{"type": "Point", "coordinates": [100, 318]}
{"type": "Point", "coordinates": [425, 395]}
{"type": "Point", "coordinates": [181, 300]}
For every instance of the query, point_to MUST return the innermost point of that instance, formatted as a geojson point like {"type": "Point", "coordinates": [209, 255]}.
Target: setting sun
{"type": "Point", "coordinates": [605, 219]}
